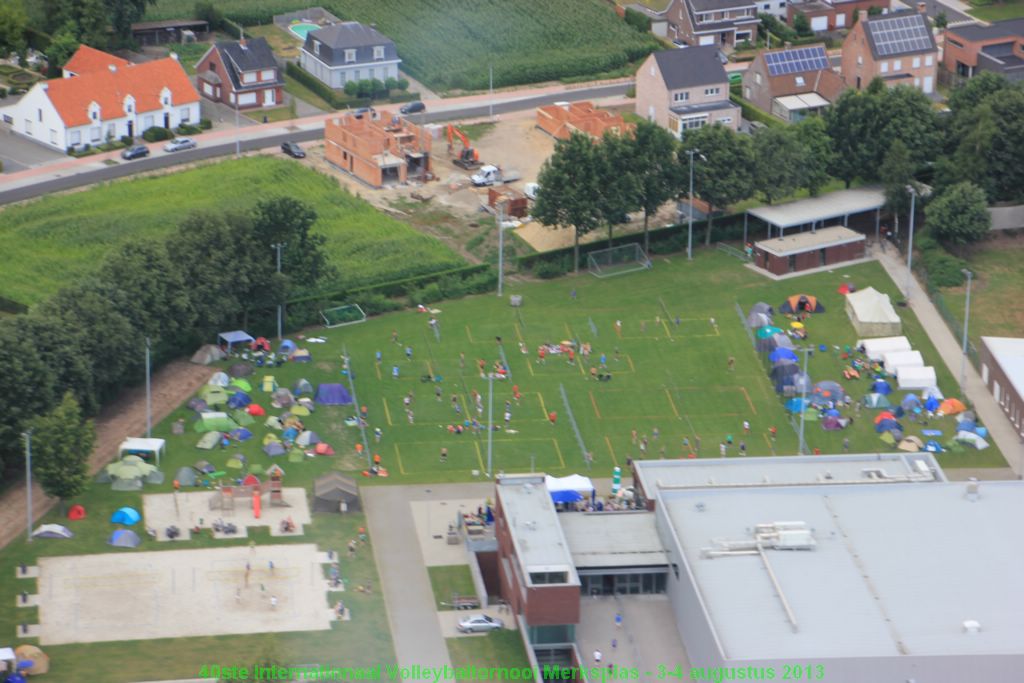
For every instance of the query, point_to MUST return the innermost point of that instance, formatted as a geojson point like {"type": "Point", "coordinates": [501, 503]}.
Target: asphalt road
{"type": "Point", "coordinates": [163, 160]}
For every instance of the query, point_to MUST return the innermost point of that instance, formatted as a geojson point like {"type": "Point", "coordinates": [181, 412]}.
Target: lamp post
{"type": "Point", "coordinates": [238, 131]}
{"type": "Point", "coordinates": [803, 401]}
{"type": "Point", "coordinates": [689, 238]}
{"type": "Point", "coordinates": [910, 243]}
{"type": "Point", "coordinates": [149, 393]}
{"type": "Point", "coordinates": [490, 422]}
{"type": "Point", "coordinates": [28, 478]}
{"type": "Point", "coordinates": [279, 246]}
{"type": "Point", "coordinates": [967, 318]}
{"type": "Point", "coordinates": [500, 205]}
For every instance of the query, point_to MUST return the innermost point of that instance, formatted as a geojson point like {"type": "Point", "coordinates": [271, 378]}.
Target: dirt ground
{"type": "Point", "coordinates": [126, 416]}
{"type": "Point", "coordinates": [186, 510]}
{"type": "Point", "coordinates": [111, 597]}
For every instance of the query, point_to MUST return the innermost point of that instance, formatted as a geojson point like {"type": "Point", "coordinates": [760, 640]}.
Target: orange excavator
{"type": "Point", "coordinates": [467, 158]}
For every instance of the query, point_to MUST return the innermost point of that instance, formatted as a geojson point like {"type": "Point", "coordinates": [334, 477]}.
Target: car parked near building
{"type": "Point", "coordinates": [479, 623]}
{"type": "Point", "coordinates": [135, 152]}
{"type": "Point", "coordinates": [179, 144]}
{"type": "Point", "coordinates": [293, 150]}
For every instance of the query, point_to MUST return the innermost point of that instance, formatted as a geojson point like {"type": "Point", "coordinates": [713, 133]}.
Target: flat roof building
{"type": "Point", "coordinates": [1002, 371]}
{"type": "Point", "coordinates": [806, 250]}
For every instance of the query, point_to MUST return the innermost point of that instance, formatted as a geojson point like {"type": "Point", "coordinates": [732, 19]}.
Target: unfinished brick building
{"type": "Point", "coordinates": [562, 118]}
{"type": "Point", "coordinates": [378, 148]}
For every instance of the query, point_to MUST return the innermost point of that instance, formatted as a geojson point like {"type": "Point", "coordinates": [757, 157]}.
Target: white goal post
{"type": "Point", "coordinates": [627, 258]}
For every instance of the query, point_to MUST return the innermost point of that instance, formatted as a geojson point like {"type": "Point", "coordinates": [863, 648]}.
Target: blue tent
{"type": "Point", "coordinates": [933, 446]}
{"type": "Point", "coordinates": [566, 496]}
{"type": "Point", "coordinates": [124, 538]}
{"type": "Point", "coordinates": [126, 516]}
{"type": "Point", "coordinates": [274, 448]}
{"type": "Point", "coordinates": [241, 434]}
{"type": "Point", "coordinates": [832, 412]}
{"type": "Point", "coordinates": [239, 399]}
{"type": "Point", "coordinates": [290, 434]}
{"type": "Point", "coordinates": [932, 404]}
{"type": "Point", "coordinates": [796, 405]}
{"type": "Point", "coordinates": [782, 354]}
{"type": "Point", "coordinates": [287, 347]}
{"type": "Point", "coordinates": [887, 425]}
{"type": "Point", "coordinates": [967, 426]}
{"type": "Point", "coordinates": [333, 395]}
{"type": "Point", "coordinates": [881, 387]}
{"type": "Point", "coordinates": [910, 401]}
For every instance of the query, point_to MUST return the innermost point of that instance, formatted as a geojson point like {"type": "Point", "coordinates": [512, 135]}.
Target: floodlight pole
{"type": "Point", "coordinates": [803, 401]}
{"type": "Point", "coordinates": [28, 477]}
{"type": "Point", "coordinates": [501, 245]}
{"type": "Point", "coordinates": [149, 393]}
{"type": "Point", "coordinates": [689, 237]}
{"type": "Point", "coordinates": [490, 106]}
{"type": "Point", "coordinates": [967, 318]}
{"type": "Point", "coordinates": [910, 243]}
{"type": "Point", "coordinates": [279, 246]}
{"type": "Point", "coordinates": [490, 422]}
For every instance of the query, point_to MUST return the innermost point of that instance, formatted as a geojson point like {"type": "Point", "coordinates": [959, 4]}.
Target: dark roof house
{"type": "Point", "coordinates": [998, 47]}
{"type": "Point", "coordinates": [690, 67]}
{"type": "Point", "coordinates": [243, 69]}
{"type": "Point", "coordinates": [792, 82]}
{"type": "Point", "coordinates": [330, 44]}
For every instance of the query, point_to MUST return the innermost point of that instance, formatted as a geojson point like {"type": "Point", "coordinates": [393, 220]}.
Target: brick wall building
{"type": "Point", "coordinates": [378, 148]}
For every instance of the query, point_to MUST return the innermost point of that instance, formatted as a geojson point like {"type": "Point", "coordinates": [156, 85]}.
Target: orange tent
{"type": "Point", "coordinates": [802, 303]}
{"type": "Point", "coordinates": [884, 415]}
{"type": "Point", "coordinates": [952, 406]}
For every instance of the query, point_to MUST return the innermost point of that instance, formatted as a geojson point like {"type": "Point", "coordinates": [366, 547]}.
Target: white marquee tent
{"type": "Point", "coordinates": [872, 314]}
{"type": "Point", "coordinates": [894, 360]}
{"type": "Point", "coordinates": [916, 377]}
{"type": "Point", "coordinates": [875, 349]}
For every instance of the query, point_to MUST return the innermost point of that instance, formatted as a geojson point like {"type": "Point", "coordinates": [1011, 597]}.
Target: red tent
{"type": "Point", "coordinates": [323, 449]}
{"type": "Point", "coordinates": [884, 415]}
{"type": "Point", "coordinates": [256, 410]}
{"type": "Point", "coordinates": [251, 480]}
{"type": "Point", "coordinates": [76, 512]}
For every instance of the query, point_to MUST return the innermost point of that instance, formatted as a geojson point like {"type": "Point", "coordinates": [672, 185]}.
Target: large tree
{"type": "Point", "coordinates": [656, 168]}
{"type": "Point", "coordinates": [959, 216]}
{"type": "Point", "coordinates": [909, 117]}
{"type": "Point", "coordinates": [723, 176]}
{"type": "Point", "coordinates": [13, 22]}
{"type": "Point", "coordinates": [813, 136]}
{"type": "Point", "coordinates": [569, 183]}
{"type": "Point", "coordinates": [62, 440]}
{"type": "Point", "coordinates": [896, 173]}
{"type": "Point", "coordinates": [26, 390]}
{"type": "Point", "coordinates": [56, 344]}
{"type": "Point", "coordinates": [122, 14]}
{"type": "Point", "coordinates": [779, 161]}
{"type": "Point", "coordinates": [283, 220]}
{"type": "Point", "coordinates": [62, 46]}
{"type": "Point", "coordinates": [851, 122]}
{"type": "Point", "coordinates": [618, 180]}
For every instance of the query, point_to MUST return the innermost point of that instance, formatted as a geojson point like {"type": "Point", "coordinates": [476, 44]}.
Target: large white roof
{"type": "Point", "coordinates": [534, 527]}
{"type": "Point", "coordinates": [823, 208]}
{"type": "Point", "coordinates": [896, 570]}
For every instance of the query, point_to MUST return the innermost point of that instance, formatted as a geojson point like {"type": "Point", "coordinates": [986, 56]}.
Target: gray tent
{"type": "Point", "coordinates": [208, 353]}
{"type": "Point", "coordinates": [757, 320]}
{"type": "Point", "coordinates": [762, 307]}
{"type": "Point", "coordinates": [124, 538]}
{"type": "Point", "coordinates": [303, 386]}
{"type": "Point", "coordinates": [186, 476]}
{"type": "Point", "coordinates": [332, 489]}
{"type": "Point", "coordinates": [52, 531]}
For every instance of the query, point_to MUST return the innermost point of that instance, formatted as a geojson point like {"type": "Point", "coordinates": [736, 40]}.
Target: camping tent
{"type": "Point", "coordinates": [52, 531]}
{"type": "Point", "coordinates": [255, 410]}
{"type": "Point", "coordinates": [214, 396]}
{"type": "Point", "coordinates": [331, 490]}
{"type": "Point", "coordinates": [307, 438]}
{"type": "Point", "coordinates": [234, 337]}
{"type": "Point", "coordinates": [242, 417]}
{"type": "Point", "coordinates": [76, 512]}
{"type": "Point", "coordinates": [875, 349]}
{"type": "Point", "coordinates": [204, 466]}
{"type": "Point", "coordinates": [832, 423]}
{"type": "Point", "coordinates": [880, 386]}
{"type": "Point", "coordinates": [282, 398]}
{"type": "Point", "coordinates": [241, 383]}
{"type": "Point", "coordinates": [303, 386]}
{"type": "Point", "coordinates": [241, 434]}
{"type": "Point", "coordinates": [827, 391]}
{"type": "Point", "coordinates": [127, 516]}
{"type": "Point", "coordinates": [214, 422]}
{"type": "Point", "coordinates": [124, 538]}
{"type": "Point", "coordinates": [872, 314]}
{"type": "Point", "coordinates": [768, 331]}
{"type": "Point", "coordinates": [972, 439]}
{"type": "Point", "coordinates": [144, 448]}
{"type": "Point", "coordinates": [219, 379]}
{"type": "Point", "coordinates": [916, 378]}
{"type": "Point", "coordinates": [762, 307]}
{"type": "Point", "coordinates": [240, 370]}
{"type": "Point", "coordinates": [782, 354]}
{"type": "Point", "coordinates": [239, 399]}
{"type": "Point", "coordinates": [208, 353]}
{"type": "Point", "coordinates": [30, 653]}
{"type": "Point", "coordinates": [568, 489]}
{"type": "Point", "coordinates": [186, 476]}
{"type": "Point", "coordinates": [801, 303]}
{"type": "Point", "coordinates": [894, 360]}
{"type": "Point", "coordinates": [209, 441]}
{"type": "Point", "coordinates": [302, 356]}
{"type": "Point", "coordinates": [756, 320]}
{"type": "Point", "coordinates": [333, 395]}
{"type": "Point", "coordinates": [287, 347]}
{"type": "Point", "coordinates": [268, 384]}
{"type": "Point", "coordinates": [274, 448]}
{"type": "Point", "coordinates": [130, 468]}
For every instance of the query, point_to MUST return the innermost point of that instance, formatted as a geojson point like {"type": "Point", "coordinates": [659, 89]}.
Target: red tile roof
{"type": "Point", "coordinates": [88, 59]}
{"type": "Point", "coordinates": [108, 88]}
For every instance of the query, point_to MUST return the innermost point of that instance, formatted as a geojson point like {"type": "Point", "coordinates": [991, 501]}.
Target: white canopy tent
{"type": "Point", "coordinates": [875, 349]}
{"type": "Point", "coordinates": [147, 448]}
{"type": "Point", "coordinates": [916, 377]}
{"type": "Point", "coordinates": [574, 483]}
{"type": "Point", "coordinates": [872, 314]}
{"type": "Point", "coordinates": [894, 360]}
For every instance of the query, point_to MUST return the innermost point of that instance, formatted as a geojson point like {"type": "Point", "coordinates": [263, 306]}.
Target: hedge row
{"type": "Point", "coordinates": [338, 99]}
{"type": "Point", "coordinates": [752, 113]}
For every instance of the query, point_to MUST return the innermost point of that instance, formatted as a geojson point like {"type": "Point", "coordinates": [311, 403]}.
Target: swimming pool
{"type": "Point", "coordinates": [301, 29]}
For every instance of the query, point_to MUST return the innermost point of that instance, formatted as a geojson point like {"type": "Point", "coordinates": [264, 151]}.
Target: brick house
{"type": "Point", "coordinates": [378, 148]}
{"type": "Point", "coordinates": [899, 48]}
{"type": "Point", "coordinates": [831, 15]}
{"type": "Point", "coordinates": [349, 51]}
{"type": "Point", "coordinates": [562, 119]}
{"type": "Point", "coordinates": [104, 98]}
{"type": "Point", "coordinates": [712, 22]}
{"type": "Point", "coordinates": [685, 89]}
{"type": "Point", "coordinates": [245, 70]}
{"type": "Point", "coordinates": [998, 47]}
{"type": "Point", "coordinates": [792, 83]}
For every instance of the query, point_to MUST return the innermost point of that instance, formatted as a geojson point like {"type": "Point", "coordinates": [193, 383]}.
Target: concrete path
{"type": "Point", "coordinates": [398, 551]}
{"type": "Point", "coordinates": [999, 426]}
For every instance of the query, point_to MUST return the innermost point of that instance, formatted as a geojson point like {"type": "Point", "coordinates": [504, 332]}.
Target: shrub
{"type": "Point", "coordinates": [205, 124]}
{"type": "Point", "coordinates": [403, 84]}
{"type": "Point", "coordinates": [156, 134]}
{"type": "Point", "coordinates": [352, 88]}
{"type": "Point", "coordinates": [944, 269]}
{"type": "Point", "coordinates": [188, 129]}
{"type": "Point", "coordinates": [631, 91]}
{"type": "Point", "coordinates": [547, 270]}
{"type": "Point", "coordinates": [3, 93]}
{"type": "Point", "coordinates": [375, 304]}
{"type": "Point", "coordinates": [127, 140]}
{"type": "Point", "coordinates": [426, 295]}
{"type": "Point", "coordinates": [638, 20]}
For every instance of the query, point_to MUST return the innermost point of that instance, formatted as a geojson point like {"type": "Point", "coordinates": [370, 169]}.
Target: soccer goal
{"type": "Point", "coordinates": [343, 315]}
{"type": "Point", "coordinates": [617, 260]}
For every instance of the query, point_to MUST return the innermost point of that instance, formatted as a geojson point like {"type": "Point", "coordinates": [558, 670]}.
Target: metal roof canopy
{"type": "Point", "coordinates": [819, 209]}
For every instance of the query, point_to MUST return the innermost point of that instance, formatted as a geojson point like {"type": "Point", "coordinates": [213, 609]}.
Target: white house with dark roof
{"type": "Point", "coordinates": [898, 47]}
{"type": "Point", "coordinates": [685, 89]}
{"type": "Point", "coordinates": [349, 51]}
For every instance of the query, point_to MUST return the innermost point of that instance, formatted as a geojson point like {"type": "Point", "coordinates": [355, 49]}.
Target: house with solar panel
{"type": "Point", "coordinates": [792, 83]}
{"type": "Point", "coordinates": [899, 48]}
{"type": "Point", "coordinates": [685, 89]}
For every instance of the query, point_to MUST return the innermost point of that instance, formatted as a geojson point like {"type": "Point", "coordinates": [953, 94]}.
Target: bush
{"type": "Point", "coordinates": [3, 93]}
{"type": "Point", "coordinates": [375, 304]}
{"type": "Point", "coordinates": [156, 134]}
{"type": "Point", "coordinates": [205, 124]}
{"type": "Point", "coordinates": [547, 270]}
{"type": "Point", "coordinates": [403, 84]}
{"type": "Point", "coordinates": [352, 88]}
{"type": "Point", "coordinates": [205, 11]}
{"type": "Point", "coordinates": [631, 91]}
{"type": "Point", "coordinates": [944, 269]}
{"type": "Point", "coordinates": [188, 129]}
{"type": "Point", "coordinates": [127, 140]}
{"type": "Point", "coordinates": [638, 20]}
{"type": "Point", "coordinates": [426, 295]}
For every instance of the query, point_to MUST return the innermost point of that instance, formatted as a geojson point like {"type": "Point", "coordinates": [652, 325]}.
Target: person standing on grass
{"type": "Point", "coordinates": [773, 432]}
{"type": "Point", "coordinates": [731, 363]}
{"type": "Point", "coordinates": [722, 449]}
{"type": "Point", "coordinates": [632, 434]}
{"type": "Point", "coordinates": [379, 357]}
{"type": "Point", "coordinates": [593, 372]}
{"type": "Point", "coordinates": [655, 433]}
{"type": "Point", "coordinates": [394, 336]}
{"type": "Point", "coordinates": [846, 444]}
{"type": "Point", "coordinates": [541, 352]}
{"type": "Point", "coordinates": [394, 372]}
{"type": "Point", "coordinates": [746, 426]}
{"type": "Point", "coordinates": [408, 353]}
{"type": "Point", "coordinates": [743, 447]}
{"type": "Point", "coordinates": [508, 418]}
{"type": "Point", "coordinates": [444, 455]}
{"type": "Point", "coordinates": [437, 393]}
{"type": "Point", "coordinates": [572, 296]}
{"type": "Point", "coordinates": [412, 420]}
{"type": "Point", "coordinates": [552, 418]}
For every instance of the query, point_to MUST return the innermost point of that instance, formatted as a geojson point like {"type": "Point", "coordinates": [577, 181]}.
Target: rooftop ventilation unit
{"type": "Point", "coordinates": [972, 626]}
{"type": "Point", "coordinates": [973, 488]}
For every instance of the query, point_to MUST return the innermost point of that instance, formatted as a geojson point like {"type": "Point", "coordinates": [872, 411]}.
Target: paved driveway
{"type": "Point", "coordinates": [19, 154]}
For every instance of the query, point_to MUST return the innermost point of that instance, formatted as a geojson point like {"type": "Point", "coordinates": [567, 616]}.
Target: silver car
{"type": "Point", "coordinates": [479, 623]}
{"type": "Point", "coordinates": [178, 144]}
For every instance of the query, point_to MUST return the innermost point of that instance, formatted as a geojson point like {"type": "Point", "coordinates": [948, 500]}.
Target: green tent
{"type": "Point", "coordinates": [255, 468]}
{"type": "Point", "coordinates": [888, 438]}
{"type": "Point", "coordinates": [295, 455]}
{"type": "Point", "coordinates": [214, 422]}
{"type": "Point", "coordinates": [209, 441]}
{"type": "Point", "coordinates": [213, 395]}
{"type": "Point", "coordinates": [242, 384]}
{"type": "Point", "coordinates": [877, 401]}
{"type": "Point", "coordinates": [243, 418]}
{"type": "Point", "coordinates": [234, 463]}
{"type": "Point", "coordinates": [130, 467]}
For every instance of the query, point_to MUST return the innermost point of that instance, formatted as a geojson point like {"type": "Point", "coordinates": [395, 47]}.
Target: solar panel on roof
{"type": "Point", "coordinates": [796, 60]}
{"type": "Point", "coordinates": [900, 35]}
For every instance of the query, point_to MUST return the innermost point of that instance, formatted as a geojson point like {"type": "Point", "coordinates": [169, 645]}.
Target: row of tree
{"type": "Point", "coordinates": [89, 340]}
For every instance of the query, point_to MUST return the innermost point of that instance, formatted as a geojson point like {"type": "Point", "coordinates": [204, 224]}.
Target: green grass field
{"type": "Point", "coordinates": [448, 44]}
{"type": "Point", "coordinates": [41, 250]}
{"type": "Point", "coordinates": [448, 581]}
{"type": "Point", "coordinates": [998, 11]}
{"type": "Point", "coordinates": [996, 308]}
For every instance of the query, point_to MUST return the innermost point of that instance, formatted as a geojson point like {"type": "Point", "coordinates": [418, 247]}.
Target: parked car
{"type": "Point", "coordinates": [530, 190]}
{"type": "Point", "coordinates": [135, 152]}
{"type": "Point", "coordinates": [178, 144]}
{"type": "Point", "coordinates": [413, 108]}
{"type": "Point", "coordinates": [293, 150]}
{"type": "Point", "coordinates": [363, 111]}
{"type": "Point", "coordinates": [479, 623]}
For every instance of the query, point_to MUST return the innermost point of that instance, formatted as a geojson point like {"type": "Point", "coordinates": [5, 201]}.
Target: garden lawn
{"type": "Point", "coordinates": [448, 44]}
{"type": "Point", "coordinates": [998, 11]}
{"type": "Point", "coordinates": [996, 306]}
{"type": "Point", "coordinates": [449, 581]}
{"type": "Point", "coordinates": [503, 649]}
{"type": "Point", "coordinates": [284, 44]}
{"type": "Point", "coordinates": [54, 241]}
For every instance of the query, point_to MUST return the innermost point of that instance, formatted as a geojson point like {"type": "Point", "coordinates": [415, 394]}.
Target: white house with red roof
{"type": "Point", "coordinates": [103, 97]}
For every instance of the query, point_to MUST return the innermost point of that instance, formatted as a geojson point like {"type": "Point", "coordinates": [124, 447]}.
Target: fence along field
{"type": "Point", "coordinates": [41, 250]}
{"type": "Point", "coordinates": [451, 43]}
